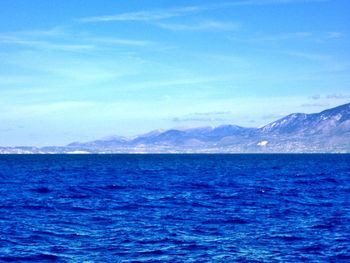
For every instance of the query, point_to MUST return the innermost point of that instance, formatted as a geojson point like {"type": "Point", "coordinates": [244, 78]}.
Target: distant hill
{"type": "Point", "coordinates": [327, 131]}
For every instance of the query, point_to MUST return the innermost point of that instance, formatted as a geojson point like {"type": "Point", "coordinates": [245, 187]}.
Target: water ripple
{"type": "Point", "coordinates": [175, 208]}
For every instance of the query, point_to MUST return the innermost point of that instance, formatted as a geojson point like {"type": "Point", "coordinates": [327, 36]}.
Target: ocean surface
{"type": "Point", "coordinates": [175, 208]}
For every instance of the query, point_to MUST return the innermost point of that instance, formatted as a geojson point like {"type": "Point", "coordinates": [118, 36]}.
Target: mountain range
{"type": "Point", "coordinates": [323, 132]}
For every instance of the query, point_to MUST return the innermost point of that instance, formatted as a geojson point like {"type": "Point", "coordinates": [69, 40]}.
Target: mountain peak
{"type": "Point", "coordinates": [324, 121]}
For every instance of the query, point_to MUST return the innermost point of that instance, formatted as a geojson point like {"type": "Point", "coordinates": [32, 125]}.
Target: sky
{"type": "Point", "coordinates": [81, 70]}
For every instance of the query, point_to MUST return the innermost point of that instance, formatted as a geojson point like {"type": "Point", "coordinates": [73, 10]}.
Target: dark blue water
{"type": "Point", "coordinates": [175, 208]}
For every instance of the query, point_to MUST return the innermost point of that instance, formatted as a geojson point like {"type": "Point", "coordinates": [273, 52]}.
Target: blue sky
{"type": "Point", "coordinates": [82, 70]}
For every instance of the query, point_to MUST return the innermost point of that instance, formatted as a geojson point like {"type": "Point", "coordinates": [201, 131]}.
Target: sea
{"type": "Point", "coordinates": [175, 208]}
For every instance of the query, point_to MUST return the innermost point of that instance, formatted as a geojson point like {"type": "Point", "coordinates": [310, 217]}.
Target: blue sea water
{"type": "Point", "coordinates": [175, 208]}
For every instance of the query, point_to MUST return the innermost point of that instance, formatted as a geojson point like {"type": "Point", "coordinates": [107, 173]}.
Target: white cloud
{"type": "Point", "coordinates": [286, 37]}
{"type": "Point", "coordinates": [118, 41]}
{"type": "Point", "coordinates": [144, 15]}
{"type": "Point", "coordinates": [314, 105]}
{"type": "Point", "coordinates": [51, 32]}
{"type": "Point", "coordinates": [337, 96]}
{"type": "Point", "coordinates": [270, 2]}
{"type": "Point", "coordinates": [335, 35]}
{"type": "Point", "coordinates": [40, 44]}
{"type": "Point", "coordinates": [204, 25]}
{"type": "Point", "coordinates": [59, 40]}
{"type": "Point", "coordinates": [161, 14]}
{"type": "Point", "coordinates": [275, 38]}
{"type": "Point", "coordinates": [308, 55]}
{"type": "Point", "coordinates": [315, 97]}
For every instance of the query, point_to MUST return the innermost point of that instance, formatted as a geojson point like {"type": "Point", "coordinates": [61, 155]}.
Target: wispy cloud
{"type": "Point", "coordinates": [145, 15]}
{"type": "Point", "coordinates": [118, 41]}
{"type": "Point", "coordinates": [68, 42]}
{"type": "Point", "coordinates": [337, 96]}
{"type": "Point", "coordinates": [204, 25]}
{"type": "Point", "coordinates": [285, 36]}
{"type": "Point", "coordinates": [52, 38]}
{"type": "Point", "coordinates": [50, 32]}
{"type": "Point", "coordinates": [315, 97]}
{"type": "Point", "coordinates": [211, 116]}
{"type": "Point", "coordinates": [41, 44]}
{"type": "Point", "coordinates": [308, 55]}
{"type": "Point", "coordinates": [211, 113]}
{"type": "Point", "coordinates": [311, 105]}
{"type": "Point", "coordinates": [197, 119]}
{"type": "Point", "coordinates": [281, 38]}
{"type": "Point", "coordinates": [161, 14]}
{"type": "Point", "coordinates": [181, 81]}
{"type": "Point", "coordinates": [335, 35]}
{"type": "Point", "coordinates": [274, 38]}
{"type": "Point", "coordinates": [269, 2]}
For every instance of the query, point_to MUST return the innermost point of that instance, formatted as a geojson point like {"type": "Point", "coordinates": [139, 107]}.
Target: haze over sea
{"type": "Point", "coordinates": [175, 208]}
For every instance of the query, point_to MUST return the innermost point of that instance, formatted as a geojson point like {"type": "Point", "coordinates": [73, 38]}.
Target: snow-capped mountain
{"type": "Point", "coordinates": [331, 121]}
{"type": "Point", "coordinates": [327, 131]}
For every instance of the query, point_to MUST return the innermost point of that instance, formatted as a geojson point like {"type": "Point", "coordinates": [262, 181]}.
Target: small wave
{"type": "Point", "coordinates": [41, 190]}
{"type": "Point", "coordinates": [38, 257]}
{"type": "Point", "coordinates": [109, 210]}
{"type": "Point", "coordinates": [314, 249]}
{"type": "Point", "coordinates": [235, 221]}
{"type": "Point", "coordinates": [38, 207]}
{"type": "Point", "coordinates": [288, 238]}
{"type": "Point", "coordinates": [80, 209]}
{"type": "Point", "coordinates": [194, 246]}
{"type": "Point", "coordinates": [276, 168]}
{"type": "Point", "coordinates": [113, 187]}
{"type": "Point", "coordinates": [156, 252]}
{"type": "Point", "coordinates": [341, 256]}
